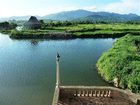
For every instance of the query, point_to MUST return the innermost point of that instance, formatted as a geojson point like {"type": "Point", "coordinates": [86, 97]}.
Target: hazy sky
{"type": "Point", "coordinates": [45, 7]}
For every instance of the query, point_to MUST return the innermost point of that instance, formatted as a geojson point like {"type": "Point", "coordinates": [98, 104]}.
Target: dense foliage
{"type": "Point", "coordinates": [7, 25]}
{"type": "Point", "coordinates": [122, 61]}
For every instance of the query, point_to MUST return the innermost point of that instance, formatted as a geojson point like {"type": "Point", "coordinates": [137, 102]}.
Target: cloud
{"type": "Point", "coordinates": [31, 7]}
{"type": "Point", "coordinates": [43, 7]}
{"type": "Point", "coordinates": [90, 8]}
{"type": "Point", "coordinates": [124, 6]}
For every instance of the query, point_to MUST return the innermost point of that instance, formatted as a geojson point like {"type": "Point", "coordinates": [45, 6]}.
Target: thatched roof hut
{"type": "Point", "coordinates": [32, 23]}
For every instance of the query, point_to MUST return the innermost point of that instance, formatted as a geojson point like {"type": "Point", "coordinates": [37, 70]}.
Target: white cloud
{"type": "Point", "coordinates": [44, 7]}
{"type": "Point", "coordinates": [32, 7]}
{"type": "Point", "coordinates": [124, 6]}
{"type": "Point", "coordinates": [90, 8]}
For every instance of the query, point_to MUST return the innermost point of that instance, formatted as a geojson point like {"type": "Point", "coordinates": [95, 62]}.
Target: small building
{"type": "Point", "coordinates": [32, 23]}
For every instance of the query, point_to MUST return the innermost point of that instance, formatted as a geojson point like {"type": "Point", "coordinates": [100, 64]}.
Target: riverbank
{"type": "Point", "coordinates": [121, 63]}
{"type": "Point", "coordinates": [77, 31]}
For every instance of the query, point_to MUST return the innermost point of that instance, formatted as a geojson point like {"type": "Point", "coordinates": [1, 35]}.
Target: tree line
{"type": "Point", "coordinates": [7, 25]}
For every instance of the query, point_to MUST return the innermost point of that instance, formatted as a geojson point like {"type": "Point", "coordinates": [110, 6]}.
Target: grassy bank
{"type": "Point", "coordinates": [39, 34]}
{"type": "Point", "coordinates": [122, 61]}
{"type": "Point", "coordinates": [79, 31]}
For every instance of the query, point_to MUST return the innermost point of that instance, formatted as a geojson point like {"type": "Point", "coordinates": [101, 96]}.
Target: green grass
{"type": "Point", "coordinates": [101, 30]}
{"type": "Point", "coordinates": [102, 26]}
{"type": "Point", "coordinates": [84, 30]}
{"type": "Point", "coordinates": [122, 61]}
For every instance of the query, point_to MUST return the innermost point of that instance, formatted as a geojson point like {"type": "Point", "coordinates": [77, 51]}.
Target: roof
{"type": "Point", "coordinates": [32, 23]}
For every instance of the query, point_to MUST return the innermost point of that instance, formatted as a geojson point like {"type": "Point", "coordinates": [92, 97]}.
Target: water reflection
{"type": "Point", "coordinates": [27, 67]}
{"type": "Point", "coordinates": [34, 42]}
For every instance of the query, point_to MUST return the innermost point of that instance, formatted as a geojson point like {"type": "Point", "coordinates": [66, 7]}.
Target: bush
{"type": "Point", "coordinates": [122, 61]}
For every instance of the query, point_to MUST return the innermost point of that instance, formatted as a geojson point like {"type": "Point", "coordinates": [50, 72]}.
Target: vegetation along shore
{"type": "Point", "coordinates": [121, 63]}
{"type": "Point", "coordinates": [67, 30]}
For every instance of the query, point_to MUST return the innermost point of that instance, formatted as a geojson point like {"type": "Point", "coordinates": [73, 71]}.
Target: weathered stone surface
{"type": "Point", "coordinates": [93, 95]}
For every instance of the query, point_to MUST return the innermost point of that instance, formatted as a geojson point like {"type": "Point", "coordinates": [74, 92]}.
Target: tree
{"type": "Point", "coordinates": [43, 25]}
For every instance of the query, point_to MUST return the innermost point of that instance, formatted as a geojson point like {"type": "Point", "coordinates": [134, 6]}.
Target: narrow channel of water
{"type": "Point", "coordinates": [27, 68]}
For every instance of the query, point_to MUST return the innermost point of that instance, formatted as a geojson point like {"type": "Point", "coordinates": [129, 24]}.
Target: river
{"type": "Point", "coordinates": [27, 68]}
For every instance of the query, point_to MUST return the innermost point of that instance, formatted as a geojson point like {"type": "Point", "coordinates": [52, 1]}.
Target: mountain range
{"type": "Point", "coordinates": [82, 15]}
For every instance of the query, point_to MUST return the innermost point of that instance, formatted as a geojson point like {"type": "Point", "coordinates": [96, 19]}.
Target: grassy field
{"type": "Point", "coordinates": [122, 61]}
{"type": "Point", "coordinates": [83, 31]}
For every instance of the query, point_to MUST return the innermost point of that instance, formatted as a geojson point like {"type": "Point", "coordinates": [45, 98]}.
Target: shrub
{"type": "Point", "coordinates": [122, 61]}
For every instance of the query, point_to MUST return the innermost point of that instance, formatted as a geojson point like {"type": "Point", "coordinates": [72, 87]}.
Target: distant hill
{"type": "Point", "coordinates": [83, 15]}
{"type": "Point", "coordinates": [69, 15]}
{"type": "Point", "coordinates": [110, 17]}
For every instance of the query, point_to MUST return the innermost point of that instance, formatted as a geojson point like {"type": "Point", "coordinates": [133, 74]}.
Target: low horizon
{"type": "Point", "coordinates": [46, 7]}
{"type": "Point", "coordinates": [67, 11]}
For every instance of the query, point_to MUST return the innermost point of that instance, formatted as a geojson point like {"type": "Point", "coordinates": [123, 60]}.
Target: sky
{"type": "Point", "coordinates": [44, 7]}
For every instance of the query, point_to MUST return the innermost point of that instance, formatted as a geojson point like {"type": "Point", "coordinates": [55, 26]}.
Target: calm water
{"type": "Point", "coordinates": [27, 71]}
